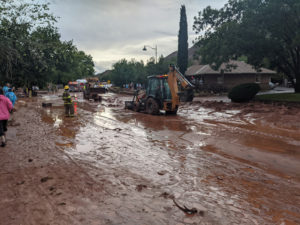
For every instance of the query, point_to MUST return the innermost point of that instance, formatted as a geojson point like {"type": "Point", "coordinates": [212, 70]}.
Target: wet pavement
{"type": "Point", "coordinates": [234, 163]}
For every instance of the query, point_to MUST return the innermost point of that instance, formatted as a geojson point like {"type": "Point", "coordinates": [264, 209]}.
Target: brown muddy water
{"type": "Point", "coordinates": [236, 163]}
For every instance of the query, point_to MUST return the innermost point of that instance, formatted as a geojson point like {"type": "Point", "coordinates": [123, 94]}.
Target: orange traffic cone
{"type": "Point", "coordinates": [75, 105]}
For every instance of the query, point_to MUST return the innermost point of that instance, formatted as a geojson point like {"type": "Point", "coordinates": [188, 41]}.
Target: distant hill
{"type": "Point", "coordinates": [103, 75]}
{"type": "Point", "coordinates": [191, 53]}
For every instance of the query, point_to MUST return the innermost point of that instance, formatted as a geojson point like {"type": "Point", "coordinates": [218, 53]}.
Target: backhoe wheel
{"type": "Point", "coordinates": [152, 106]}
{"type": "Point", "coordinates": [136, 107]}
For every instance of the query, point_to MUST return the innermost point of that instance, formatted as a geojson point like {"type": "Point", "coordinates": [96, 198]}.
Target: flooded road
{"type": "Point", "coordinates": [234, 163]}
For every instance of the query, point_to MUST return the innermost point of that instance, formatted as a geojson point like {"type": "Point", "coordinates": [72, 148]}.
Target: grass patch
{"type": "Point", "coordinates": [282, 97]}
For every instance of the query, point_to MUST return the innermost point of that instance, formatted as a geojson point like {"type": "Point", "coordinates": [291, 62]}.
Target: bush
{"type": "Point", "coordinates": [243, 92]}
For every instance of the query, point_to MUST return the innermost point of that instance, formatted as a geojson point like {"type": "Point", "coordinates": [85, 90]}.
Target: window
{"type": "Point", "coordinates": [153, 85]}
{"type": "Point", "coordinates": [166, 90]}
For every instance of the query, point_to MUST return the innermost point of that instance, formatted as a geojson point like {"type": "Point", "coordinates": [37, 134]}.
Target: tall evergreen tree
{"type": "Point", "coordinates": [182, 54]}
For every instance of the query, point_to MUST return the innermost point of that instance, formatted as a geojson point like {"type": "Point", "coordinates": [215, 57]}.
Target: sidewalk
{"type": "Point", "coordinates": [224, 98]}
{"type": "Point", "coordinates": [277, 90]}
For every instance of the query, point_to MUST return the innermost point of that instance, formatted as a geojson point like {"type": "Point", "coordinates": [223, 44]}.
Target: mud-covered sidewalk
{"type": "Point", "coordinates": [234, 163]}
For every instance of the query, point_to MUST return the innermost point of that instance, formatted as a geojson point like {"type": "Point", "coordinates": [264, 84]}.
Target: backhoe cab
{"type": "Point", "coordinates": [162, 93]}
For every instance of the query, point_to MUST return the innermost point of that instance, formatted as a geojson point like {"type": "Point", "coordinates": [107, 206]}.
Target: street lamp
{"type": "Point", "coordinates": [154, 48]}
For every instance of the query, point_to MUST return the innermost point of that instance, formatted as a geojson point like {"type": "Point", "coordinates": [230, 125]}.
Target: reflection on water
{"type": "Point", "coordinates": [48, 112]}
{"type": "Point", "coordinates": [84, 147]}
{"type": "Point", "coordinates": [53, 116]}
{"type": "Point", "coordinates": [57, 121]}
{"type": "Point", "coordinates": [103, 112]}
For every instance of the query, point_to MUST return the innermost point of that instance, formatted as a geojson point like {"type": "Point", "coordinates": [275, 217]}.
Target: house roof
{"type": "Point", "coordinates": [239, 68]}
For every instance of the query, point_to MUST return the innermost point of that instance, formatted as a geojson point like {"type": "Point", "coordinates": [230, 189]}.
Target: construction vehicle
{"type": "Point", "coordinates": [162, 93]}
{"type": "Point", "coordinates": [92, 90]}
{"type": "Point", "coordinates": [73, 86]}
{"type": "Point", "coordinates": [81, 83]}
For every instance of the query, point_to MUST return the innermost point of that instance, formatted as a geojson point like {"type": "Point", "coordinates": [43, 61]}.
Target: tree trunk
{"type": "Point", "coordinates": [297, 86]}
{"type": "Point", "coordinates": [297, 83]}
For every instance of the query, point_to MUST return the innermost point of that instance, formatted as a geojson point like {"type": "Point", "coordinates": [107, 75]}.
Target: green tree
{"type": "Point", "coordinates": [125, 72]}
{"type": "Point", "coordinates": [267, 32]}
{"type": "Point", "coordinates": [182, 54]}
{"type": "Point", "coordinates": [31, 51]}
{"type": "Point", "coordinates": [17, 20]}
{"type": "Point", "coordinates": [161, 67]}
{"type": "Point", "coordinates": [70, 64]}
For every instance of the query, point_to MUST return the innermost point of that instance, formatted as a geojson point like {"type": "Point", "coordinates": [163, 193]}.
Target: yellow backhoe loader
{"type": "Point", "coordinates": [162, 93]}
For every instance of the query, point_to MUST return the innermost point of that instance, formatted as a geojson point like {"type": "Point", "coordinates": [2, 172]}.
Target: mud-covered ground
{"type": "Point", "coordinates": [234, 163]}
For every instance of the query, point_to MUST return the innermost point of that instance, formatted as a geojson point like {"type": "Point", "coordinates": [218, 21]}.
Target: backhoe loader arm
{"type": "Point", "coordinates": [172, 81]}
{"type": "Point", "coordinates": [185, 83]}
{"type": "Point", "coordinates": [182, 79]}
{"type": "Point", "coordinates": [174, 75]}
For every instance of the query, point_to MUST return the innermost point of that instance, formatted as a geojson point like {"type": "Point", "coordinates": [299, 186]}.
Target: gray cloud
{"type": "Point", "coordinates": [113, 29]}
{"type": "Point", "coordinates": [101, 66]}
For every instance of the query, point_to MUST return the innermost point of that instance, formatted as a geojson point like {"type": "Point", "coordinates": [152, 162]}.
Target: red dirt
{"type": "Point", "coordinates": [237, 163]}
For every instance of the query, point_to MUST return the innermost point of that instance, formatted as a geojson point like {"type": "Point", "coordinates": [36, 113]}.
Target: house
{"type": "Point", "coordinates": [229, 75]}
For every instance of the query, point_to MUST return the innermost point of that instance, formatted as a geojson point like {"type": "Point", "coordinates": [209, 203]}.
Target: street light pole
{"type": "Point", "coordinates": [154, 48]}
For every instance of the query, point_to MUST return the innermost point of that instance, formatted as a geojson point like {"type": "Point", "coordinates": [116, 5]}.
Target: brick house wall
{"type": "Point", "coordinates": [230, 80]}
{"type": "Point", "coordinates": [238, 72]}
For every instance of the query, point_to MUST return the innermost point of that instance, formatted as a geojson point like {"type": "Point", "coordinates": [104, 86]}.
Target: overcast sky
{"type": "Point", "coordinates": [110, 30]}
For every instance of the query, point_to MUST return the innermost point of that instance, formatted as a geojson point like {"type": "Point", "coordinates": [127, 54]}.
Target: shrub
{"type": "Point", "coordinates": [243, 92]}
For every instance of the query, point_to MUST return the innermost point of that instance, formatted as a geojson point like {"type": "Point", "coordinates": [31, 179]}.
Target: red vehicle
{"type": "Point", "coordinates": [81, 86]}
{"type": "Point", "coordinates": [73, 86]}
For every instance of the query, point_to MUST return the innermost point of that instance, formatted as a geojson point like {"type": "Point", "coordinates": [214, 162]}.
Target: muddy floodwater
{"type": "Point", "coordinates": [233, 163]}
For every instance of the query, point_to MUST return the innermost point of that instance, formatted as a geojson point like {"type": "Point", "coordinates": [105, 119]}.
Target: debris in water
{"type": "Point", "coordinates": [140, 187]}
{"type": "Point", "coordinates": [163, 172]}
{"type": "Point", "coordinates": [219, 178]}
{"type": "Point", "coordinates": [186, 210]}
{"type": "Point", "coordinates": [167, 195]}
{"type": "Point", "coordinates": [117, 129]}
{"type": "Point", "coordinates": [46, 104]}
{"type": "Point", "coordinates": [44, 179]}
{"type": "Point", "coordinates": [51, 188]}
{"type": "Point", "coordinates": [20, 183]}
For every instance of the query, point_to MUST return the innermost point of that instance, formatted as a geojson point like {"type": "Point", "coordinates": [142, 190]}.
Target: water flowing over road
{"type": "Point", "coordinates": [234, 163]}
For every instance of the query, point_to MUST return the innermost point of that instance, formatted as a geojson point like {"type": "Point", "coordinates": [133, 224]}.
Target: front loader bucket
{"type": "Point", "coordinates": [128, 104]}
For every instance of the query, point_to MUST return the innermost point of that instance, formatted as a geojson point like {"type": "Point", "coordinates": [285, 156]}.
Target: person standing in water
{"type": "Point", "coordinates": [68, 103]}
